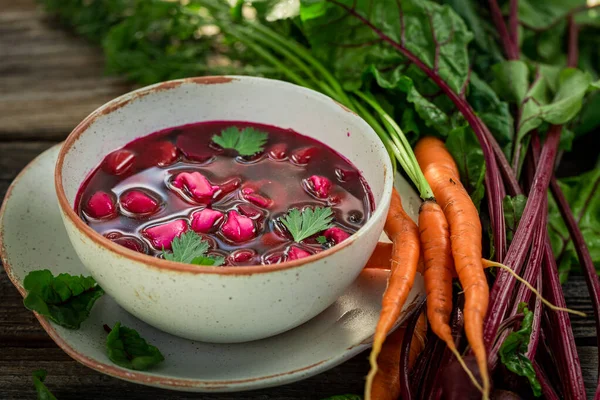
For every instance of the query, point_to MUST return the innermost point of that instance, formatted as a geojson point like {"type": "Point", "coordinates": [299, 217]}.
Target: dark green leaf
{"type": "Point", "coordinates": [513, 350]}
{"type": "Point", "coordinates": [65, 299]}
{"type": "Point", "coordinates": [566, 103]}
{"type": "Point", "coordinates": [589, 118]}
{"type": "Point", "coordinates": [39, 376]}
{"type": "Point", "coordinates": [190, 248]}
{"type": "Point", "coordinates": [511, 80]}
{"type": "Point", "coordinates": [127, 349]}
{"type": "Point", "coordinates": [246, 142]}
{"type": "Point", "coordinates": [305, 223]}
{"type": "Point", "coordinates": [492, 111]}
{"type": "Point", "coordinates": [466, 151]}
{"type": "Point", "coordinates": [583, 195]}
{"type": "Point", "coordinates": [513, 210]}
{"type": "Point", "coordinates": [321, 239]}
{"type": "Point", "coordinates": [348, 45]}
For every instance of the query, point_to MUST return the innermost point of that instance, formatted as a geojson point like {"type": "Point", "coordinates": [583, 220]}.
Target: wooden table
{"type": "Point", "coordinates": [49, 81]}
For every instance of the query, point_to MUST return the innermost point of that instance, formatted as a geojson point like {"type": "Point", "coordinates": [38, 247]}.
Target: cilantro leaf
{"type": "Point", "coordinates": [512, 352]}
{"type": "Point", "coordinates": [189, 248]}
{"type": "Point", "coordinates": [308, 222]}
{"type": "Point", "coordinates": [246, 142]}
{"type": "Point", "coordinates": [39, 376]}
{"type": "Point", "coordinates": [128, 349]}
{"type": "Point", "coordinates": [321, 239]}
{"type": "Point", "coordinates": [65, 299]}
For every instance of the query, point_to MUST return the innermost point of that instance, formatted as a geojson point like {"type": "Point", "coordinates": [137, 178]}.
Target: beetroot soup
{"type": "Point", "coordinates": [225, 193]}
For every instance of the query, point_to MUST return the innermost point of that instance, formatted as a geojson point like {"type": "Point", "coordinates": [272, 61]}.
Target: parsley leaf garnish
{"type": "Point", "coordinates": [189, 248]}
{"type": "Point", "coordinates": [128, 349]}
{"type": "Point", "coordinates": [39, 376]}
{"type": "Point", "coordinates": [246, 142]}
{"type": "Point", "coordinates": [308, 222]}
{"type": "Point", "coordinates": [321, 239]}
{"type": "Point", "coordinates": [65, 299]}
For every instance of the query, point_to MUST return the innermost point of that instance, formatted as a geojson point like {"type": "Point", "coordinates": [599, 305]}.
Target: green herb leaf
{"type": "Point", "coordinates": [39, 376]}
{"type": "Point", "coordinates": [321, 239]}
{"type": "Point", "coordinates": [308, 222]}
{"type": "Point", "coordinates": [583, 195]}
{"type": "Point", "coordinates": [465, 149]}
{"type": "Point", "coordinates": [246, 142]}
{"type": "Point", "coordinates": [511, 80]}
{"type": "Point", "coordinates": [189, 248]}
{"type": "Point", "coordinates": [512, 352]}
{"type": "Point", "coordinates": [566, 103]}
{"type": "Point", "coordinates": [127, 349]}
{"type": "Point", "coordinates": [513, 210]}
{"type": "Point", "coordinates": [67, 300]}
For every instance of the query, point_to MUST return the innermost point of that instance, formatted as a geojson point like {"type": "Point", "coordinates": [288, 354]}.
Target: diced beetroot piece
{"type": "Point", "coordinates": [250, 195]}
{"type": "Point", "coordinates": [206, 220]}
{"type": "Point", "coordinates": [296, 253]}
{"type": "Point", "coordinates": [228, 187]}
{"type": "Point", "coordinates": [162, 235]}
{"type": "Point", "coordinates": [197, 185]}
{"type": "Point", "coordinates": [242, 256]}
{"type": "Point", "coordinates": [304, 155]}
{"type": "Point", "coordinates": [345, 175]}
{"type": "Point", "coordinates": [238, 228]}
{"type": "Point", "coordinates": [194, 149]}
{"type": "Point", "coordinates": [250, 211]}
{"type": "Point", "coordinates": [278, 152]}
{"type": "Point", "coordinates": [118, 162]}
{"type": "Point", "coordinates": [138, 202]}
{"type": "Point", "coordinates": [131, 243]}
{"type": "Point", "coordinates": [101, 205]}
{"type": "Point", "coordinates": [336, 235]}
{"type": "Point", "coordinates": [320, 186]}
{"type": "Point", "coordinates": [159, 154]}
{"type": "Point", "coordinates": [273, 258]}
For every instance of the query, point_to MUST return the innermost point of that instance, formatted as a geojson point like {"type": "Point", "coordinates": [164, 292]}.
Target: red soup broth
{"type": "Point", "coordinates": [178, 179]}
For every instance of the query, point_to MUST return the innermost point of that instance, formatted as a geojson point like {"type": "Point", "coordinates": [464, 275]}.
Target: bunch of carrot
{"type": "Point", "coordinates": [448, 238]}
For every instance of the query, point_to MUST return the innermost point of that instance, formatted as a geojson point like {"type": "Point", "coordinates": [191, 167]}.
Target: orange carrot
{"type": "Point", "coordinates": [405, 257]}
{"type": "Point", "coordinates": [386, 383]}
{"type": "Point", "coordinates": [465, 238]}
{"type": "Point", "coordinates": [381, 256]}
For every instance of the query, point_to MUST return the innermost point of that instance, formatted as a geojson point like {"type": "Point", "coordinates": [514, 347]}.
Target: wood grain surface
{"type": "Point", "coordinates": [49, 81]}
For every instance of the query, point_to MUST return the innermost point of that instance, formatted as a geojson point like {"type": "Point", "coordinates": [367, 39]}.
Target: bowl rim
{"type": "Point", "coordinates": [159, 263]}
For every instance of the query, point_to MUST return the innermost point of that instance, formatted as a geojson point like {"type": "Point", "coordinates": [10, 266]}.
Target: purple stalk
{"type": "Point", "coordinates": [583, 253]}
{"type": "Point", "coordinates": [504, 283]}
{"type": "Point", "coordinates": [547, 390]}
{"type": "Point", "coordinates": [563, 342]}
{"type": "Point", "coordinates": [510, 48]}
{"type": "Point", "coordinates": [494, 186]}
{"type": "Point", "coordinates": [536, 326]}
{"type": "Point", "coordinates": [405, 352]}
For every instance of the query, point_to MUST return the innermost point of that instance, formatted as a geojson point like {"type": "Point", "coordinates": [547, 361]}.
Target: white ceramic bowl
{"type": "Point", "coordinates": [222, 304]}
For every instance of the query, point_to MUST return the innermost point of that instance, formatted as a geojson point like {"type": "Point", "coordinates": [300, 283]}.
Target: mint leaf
{"type": "Point", "coordinates": [465, 149]}
{"type": "Point", "coordinates": [189, 248]}
{"type": "Point", "coordinates": [246, 142]}
{"type": "Point", "coordinates": [513, 349]}
{"type": "Point", "coordinates": [67, 300]}
{"type": "Point", "coordinates": [128, 349]}
{"type": "Point", "coordinates": [513, 210]}
{"type": "Point", "coordinates": [308, 222]}
{"type": "Point", "coordinates": [39, 376]}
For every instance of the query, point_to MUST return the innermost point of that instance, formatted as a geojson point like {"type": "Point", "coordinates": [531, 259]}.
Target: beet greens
{"type": "Point", "coordinates": [507, 84]}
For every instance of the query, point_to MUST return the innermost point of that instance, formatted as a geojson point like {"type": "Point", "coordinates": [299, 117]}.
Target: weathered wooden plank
{"type": "Point", "coordinates": [51, 80]}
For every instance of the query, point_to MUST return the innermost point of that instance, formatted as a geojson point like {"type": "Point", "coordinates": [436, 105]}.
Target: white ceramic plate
{"type": "Point", "coordinates": [32, 236]}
